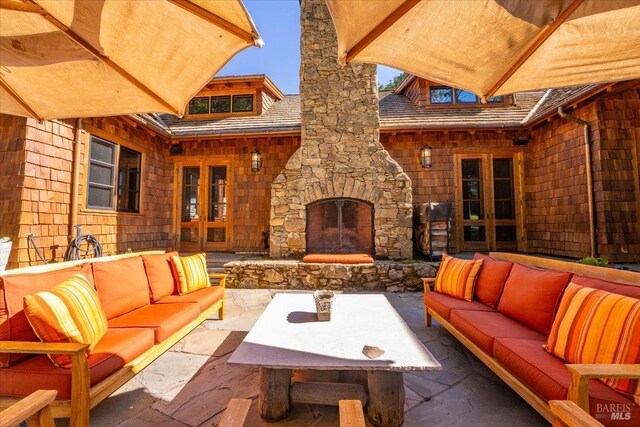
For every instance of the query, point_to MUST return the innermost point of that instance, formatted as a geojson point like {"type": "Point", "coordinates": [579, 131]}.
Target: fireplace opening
{"type": "Point", "coordinates": [340, 226]}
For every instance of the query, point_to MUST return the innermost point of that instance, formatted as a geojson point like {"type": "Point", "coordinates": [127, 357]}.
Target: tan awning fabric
{"type": "Point", "coordinates": [88, 58]}
{"type": "Point", "coordinates": [494, 47]}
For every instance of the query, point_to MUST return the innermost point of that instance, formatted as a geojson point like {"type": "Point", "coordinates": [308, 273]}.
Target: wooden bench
{"type": "Point", "coordinates": [84, 397]}
{"type": "Point", "coordinates": [571, 415]}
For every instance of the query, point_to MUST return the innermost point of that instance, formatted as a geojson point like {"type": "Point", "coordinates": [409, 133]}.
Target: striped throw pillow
{"type": "Point", "coordinates": [69, 312]}
{"type": "Point", "coordinates": [596, 326]}
{"type": "Point", "coordinates": [190, 272]}
{"type": "Point", "coordinates": [457, 277]}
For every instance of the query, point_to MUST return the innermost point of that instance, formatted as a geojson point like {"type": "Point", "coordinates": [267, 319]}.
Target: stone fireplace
{"type": "Point", "coordinates": [341, 174]}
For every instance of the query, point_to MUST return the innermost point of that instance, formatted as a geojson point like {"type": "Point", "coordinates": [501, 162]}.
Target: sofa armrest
{"type": "Point", "coordinates": [34, 408]}
{"type": "Point", "coordinates": [222, 277]}
{"type": "Point", "coordinates": [80, 382]}
{"type": "Point", "coordinates": [426, 282]}
{"type": "Point", "coordinates": [571, 415]}
{"type": "Point", "coordinates": [582, 373]}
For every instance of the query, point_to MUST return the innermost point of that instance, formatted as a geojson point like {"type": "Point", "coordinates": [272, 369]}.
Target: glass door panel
{"type": "Point", "coordinates": [473, 215]}
{"type": "Point", "coordinates": [504, 204]}
{"type": "Point", "coordinates": [190, 204]}
{"type": "Point", "coordinates": [216, 225]}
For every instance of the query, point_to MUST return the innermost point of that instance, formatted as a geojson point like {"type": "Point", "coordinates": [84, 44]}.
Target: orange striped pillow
{"type": "Point", "coordinates": [191, 273]}
{"type": "Point", "coordinates": [68, 312]}
{"type": "Point", "coordinates": [595, 326]}
{"type": "Point", "coordinates": [457, 277]}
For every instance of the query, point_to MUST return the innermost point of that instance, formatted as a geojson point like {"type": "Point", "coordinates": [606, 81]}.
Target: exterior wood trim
{"type": "Point", "coordinates": [520, 202]}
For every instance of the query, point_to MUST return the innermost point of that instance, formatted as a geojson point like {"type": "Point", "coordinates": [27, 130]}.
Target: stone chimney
{"type": "Point", "coordinates": [340, 154]}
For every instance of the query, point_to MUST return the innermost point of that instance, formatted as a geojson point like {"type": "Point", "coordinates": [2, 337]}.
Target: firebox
{"type": "Point", "coordinates": [340, 226]}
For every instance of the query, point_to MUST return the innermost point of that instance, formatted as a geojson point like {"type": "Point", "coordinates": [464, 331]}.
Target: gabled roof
{"type": "Point", "coordinates": [554, 98]}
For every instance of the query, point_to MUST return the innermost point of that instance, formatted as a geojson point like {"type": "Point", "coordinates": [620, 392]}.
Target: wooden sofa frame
{"type": "Point", "coordinates": [579, 388]}
{"type": "Point", "coordinates": [83, 396]}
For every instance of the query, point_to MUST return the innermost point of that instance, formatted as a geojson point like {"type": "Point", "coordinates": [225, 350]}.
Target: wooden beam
{"type": "Point", "coordinates": [217, 20]}
{"type": "Point", "coordinates": [381, 28]}
{"type": "Point", "coordinates": [19, 6]}
{"type": "Point", "coordinates": [546, 33]}
{"type": "Point", "coordinates": [73, 36]}
{"type": "Point", "coordinates": [19, 100]}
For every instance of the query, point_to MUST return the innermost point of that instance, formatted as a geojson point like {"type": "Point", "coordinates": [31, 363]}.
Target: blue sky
{"type": "Point", "coordinates": [278, 22]}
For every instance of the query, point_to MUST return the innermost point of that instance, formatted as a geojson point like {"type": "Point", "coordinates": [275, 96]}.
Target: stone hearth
{"type": "Point", "coordinates": [340, 154]}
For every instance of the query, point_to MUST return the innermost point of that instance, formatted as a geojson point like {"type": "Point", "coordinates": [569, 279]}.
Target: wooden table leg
{"type": "Point", "coordinates": [273, 402]}
{"type": "Point", "coordinates": [386, 398]}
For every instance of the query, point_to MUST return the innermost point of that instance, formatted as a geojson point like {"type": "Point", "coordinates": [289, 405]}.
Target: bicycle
{"type": "Point", "coordinates": [80, 247]}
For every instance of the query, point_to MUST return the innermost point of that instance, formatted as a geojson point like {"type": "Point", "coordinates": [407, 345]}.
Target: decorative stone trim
{"type": "Point", "coordinates": [390, 276]}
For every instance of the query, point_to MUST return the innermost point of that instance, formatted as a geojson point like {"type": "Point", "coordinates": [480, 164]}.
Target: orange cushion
{"type": "Point", "coordinates": [443, 304]}
{"type": "Point", "coordinates": [632, 291]}
{"type": "Point", "coordinates": [70, 312]}
{"type": "Point", "coordinates": [491, 279]}
{"type": "Point", "coordinates": [338, 258]}
{"type": "Point", "coordinates": [548, 376]}
{"type": "Point", "coordinates": [531, 296]}
{"type": "Point", "coordinates": [160, 275]}
{"type": "Point", "coordinates": [205, 298]}
{"type": "Point", "coordinates": [164, 319]}
{"type": "Point", "coordinates": [13, 288]}
{"type": "Point", "coordinates": [122, 285]}
{"type": "Point", "coordinates": [457, 277]}
{"type": "Point", "coordinates": [190, 273]}
{"type": "Point", "coordinates": [115, 349]}
{"type": "Point", "coordinates": [595, 326]}
{"type": "Point", "coordinates": [483, 328]}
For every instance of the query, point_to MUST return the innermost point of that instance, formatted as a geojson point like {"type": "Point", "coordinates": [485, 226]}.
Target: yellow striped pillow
{"type": "Point", "coordinates": [191, 273]}
{"type": "Point", "coordinates": [457, 277]}
{"type": "Point", "coordinates": [68, 312]}
{"type": "Point", "coordinates": [596, 326]}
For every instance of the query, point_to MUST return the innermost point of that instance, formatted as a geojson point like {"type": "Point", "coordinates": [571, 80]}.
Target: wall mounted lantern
{"type": "Point", "coordinates": [176, 149]}
{"type": "Point", "coordinates": [425, 156]}
{"type": "Point", "coordinates": [256, 160]}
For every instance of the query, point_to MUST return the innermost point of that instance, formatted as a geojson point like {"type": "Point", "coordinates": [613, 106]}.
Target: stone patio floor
{"type": "Point", "coordinates": [191, 384]}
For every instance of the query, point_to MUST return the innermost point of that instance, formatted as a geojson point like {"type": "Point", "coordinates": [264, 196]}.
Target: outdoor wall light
{"type": "Point", "coordinates": [256, 160]}
{"type": "Point", "coordinates": [521, 140]}
{"type": "Point", "coordinates": [425, 156]}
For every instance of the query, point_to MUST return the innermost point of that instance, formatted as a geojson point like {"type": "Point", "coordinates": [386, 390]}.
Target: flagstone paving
{"type": "Point", "coordinates": [191, 384]}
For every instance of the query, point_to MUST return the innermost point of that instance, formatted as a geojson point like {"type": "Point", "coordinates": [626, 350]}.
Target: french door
{"type": "Point", "coordinates": [203, 223]}
{"type": "Point", "coordinates": [489, 202]}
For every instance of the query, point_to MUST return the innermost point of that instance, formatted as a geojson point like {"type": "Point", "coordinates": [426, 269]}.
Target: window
{"type": "Point", "coordinates": [199, 105]}
{"type": "Point", "coordinates": [465, 97]}
{"type": "Point", "coordinates": [128, 180]}
{"type": "Point", "coordinates": [103, 181]}
{"type": "Point", "coordinates": [496, 99]}
{"type": "Point", "coordinates": [242, 103]}
{"type": "Point", "coordinates": [440, 95]}
{"type": "Point", "coordinates": [221, 104]}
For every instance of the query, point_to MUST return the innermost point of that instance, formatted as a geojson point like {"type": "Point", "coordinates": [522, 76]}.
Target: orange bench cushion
{"type": "Point", "coordinates": [13, 288]}
{"type": "Point", "coordinates": [117, 348]}
{"type": "Point", "coordinates": [632, 291]}
{"type": "Point", "coordinates": [548, 376]}
{"type": "Point", "coordinates": [338, 258]}
{"type": "Point", "coordinates": [164, 319]}
{"type": "Point", "coordinates": [443, 304]}
{"type": "Point", "coordinates": [205, 298]}
{"type": "Point", "coordinates": [160, 275]}
{"type": "Point", "coordinates": [482, 328]}
{"type": "Point", "coordinates": [491, 279]}
{"type": "Point", "coordinates": [122, 285]}
{"type": "Point", "coordinates": [531, 296]}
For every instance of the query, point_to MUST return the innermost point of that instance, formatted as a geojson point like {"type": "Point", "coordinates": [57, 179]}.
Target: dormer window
{"type": "Point", "coordinates": [242, 103]}
{"type": "Point", "coordinates": [224, 104]}
{"type": "Point", "coordinates": [199, 105]}
{"type": "Point", "coordinates": [439, 95]}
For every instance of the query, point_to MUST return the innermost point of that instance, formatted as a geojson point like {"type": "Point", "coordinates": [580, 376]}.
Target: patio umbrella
{"type": "Point", "coordinates": [88, 58]}
{"type": "Point", "coordinates": [494, 47]}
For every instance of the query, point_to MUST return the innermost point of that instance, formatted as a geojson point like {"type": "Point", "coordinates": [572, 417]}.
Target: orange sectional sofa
{"type": "Point", "coordinates": [509, 320]}
{"type": "Point", "coordinates": [145, 317]}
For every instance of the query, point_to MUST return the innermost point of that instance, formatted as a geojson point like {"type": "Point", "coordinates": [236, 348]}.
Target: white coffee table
{"type": "Point", "coordinates": [289, 337]}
